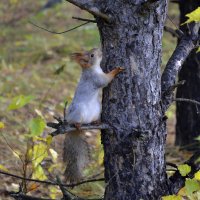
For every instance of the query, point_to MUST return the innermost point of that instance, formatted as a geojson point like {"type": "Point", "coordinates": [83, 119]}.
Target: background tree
{"type": "Point", "coordinates": [187, 115]}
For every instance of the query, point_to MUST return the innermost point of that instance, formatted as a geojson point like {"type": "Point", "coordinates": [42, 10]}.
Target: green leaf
{"type": "Point", "coordinates": [191, 186]}
{"type": "Point", "coordinates": [193, 16]}
{"type": "Point", "coordinates": [2, 125]}
{"type": "Point", "coordinates": [184, 169]}
{"type": "Point", "coordinates": [198, 50]}
{"type": "Point", "coordinates": [53, 192]}
{"type": "Point", "coordinates": [49, 140]}
{"type": "Point", "coordinates": [54, 155]}
{"type": "Point", "coordinates": [36, 126]}
{"type": "Point", "coordinates": [38, 173]}
{"type": "Point", "coordinates": [197, 176]}
{"type": "Point", "coordinates": [19, 101]}
{"type": "Point", "coordinates": [38, 154]}
{"type": "Point", "coordinates": [172, 197]}
{"type": "Point", "coordinates": [3, 168]}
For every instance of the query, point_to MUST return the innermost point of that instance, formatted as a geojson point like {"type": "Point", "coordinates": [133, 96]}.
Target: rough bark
{"type": "Point", "coordinates": [134, 160]}
{"type": "Point", "coordinates": [133, 104]}
{"type": "Point", "coordinates": [188, 117]}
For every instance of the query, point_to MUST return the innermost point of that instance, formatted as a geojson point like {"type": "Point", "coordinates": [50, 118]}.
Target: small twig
{"type": "Point", "coordinates": [187, 100]}
{"type": "Point", "coordinates": [66, 194]}
{"type": "Point", "coordinates": [172, 165]}
{"type": "Point", "coordinates": [175, 1]}
{"type": "Point", "coordinates": [12, 148]}
{"type": "Point", "coordinates": [28, 179]}
{"type": "Point", "coordinates": [50, 182]}
{"type": "Point", "coordinates": [171, 89]}
{"type": "Point", "coordinates": [91, 7]}
{"type": "Point", "coordinates": [54, 32]}
{"type": "Point", "coordinates": [86, 181]}
{"type": "Point", "coordinates": [20, 196]}
{"type": "Point", "coordinates": [85, 20]}
{"type": "Point", "coordinates": [173, 22]}
{"type": "Point", "coordinates": [174, 33]}
{"type": "Point", "coordinates": [58, 119]}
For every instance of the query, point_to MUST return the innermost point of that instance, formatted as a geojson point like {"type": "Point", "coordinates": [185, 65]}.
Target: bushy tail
{"type": "Point", "coordinates": [75, 155]}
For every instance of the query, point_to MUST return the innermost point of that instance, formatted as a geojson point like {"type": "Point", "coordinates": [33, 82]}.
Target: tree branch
{"type": "Point", "coordinates": [20, 196]}
{"type": "Point", "coordinates": [66, 194]}
{"type": "Point", "coordinates": [173, 87]}
{"type": "Point", "coordinates": [185, 46]}
{"type": "Point", "coordinates": [62, 128]}
{"type": "Point", "coordinates": [187, 100]}
{"type": "Point", "coordinates": [175, 1]}
{"type": "Point", "coordinates": [91, 7]}
{"type": "Point", "coordinates": [54, 32]}
{"type": "Point", "coordinates": [174, 33]}
{"type": "Point", "coordinates": [84, 19]}
{"type": "Point", "coordinates": [177, 181]}
{"type": "Point", "coordinates": [50, 182]}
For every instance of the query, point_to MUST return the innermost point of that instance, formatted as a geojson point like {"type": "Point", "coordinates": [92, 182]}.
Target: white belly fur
{"type": "Point", "coordinates": [91, 110]}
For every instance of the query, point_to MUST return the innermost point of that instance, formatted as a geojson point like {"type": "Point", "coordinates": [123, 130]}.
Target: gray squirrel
{"type": "Point", "coordinates": [85, 108]}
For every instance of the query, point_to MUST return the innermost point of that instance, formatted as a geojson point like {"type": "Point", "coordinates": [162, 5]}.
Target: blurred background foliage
{"type": "Point", "coordinates": [37, 77]}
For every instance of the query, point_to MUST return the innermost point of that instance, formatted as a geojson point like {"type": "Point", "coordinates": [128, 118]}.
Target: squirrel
{"type": "Point", "coordinates": [85, 108]}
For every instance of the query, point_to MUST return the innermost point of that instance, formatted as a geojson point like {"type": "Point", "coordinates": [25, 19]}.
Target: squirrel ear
{"type": "Point", "coordinates": [81, 58]}
{"type": "Point", "coordinates": [75, 56]}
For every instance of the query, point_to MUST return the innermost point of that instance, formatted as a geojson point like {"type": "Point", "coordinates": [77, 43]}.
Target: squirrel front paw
{"type": "Point", "coordinates": [117, 70]}
{"type": "Point", "coordinates": [120, 69]}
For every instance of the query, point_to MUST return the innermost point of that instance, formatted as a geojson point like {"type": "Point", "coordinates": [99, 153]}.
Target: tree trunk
{"type": "Point", "coordinates": [134, 149]}
{"type": "Point", "coordinates": [188, 117]}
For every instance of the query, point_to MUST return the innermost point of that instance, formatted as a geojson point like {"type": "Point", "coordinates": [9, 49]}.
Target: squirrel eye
{"type": "Point", "coordinates": [92, 55]}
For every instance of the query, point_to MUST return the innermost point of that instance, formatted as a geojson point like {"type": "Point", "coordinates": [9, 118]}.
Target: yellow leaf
{"type": "Point", "coordinates": [54, 192]}
{"type": "Point", "coordinates": [198, 50]}
{"type": "Point", "coordinates": [197, 176]}
{"type": "Point", "coordinates": [193, 16]}
{"type": "Point", "coordinates": [54, 154]}
{"type": "Point", "coordinates": [29, 155]}
{"type": "Point", "coordinates": [172, 197]}
{"type": "Point", "coordinates": [182, 192]}
{"type": "Point", "coordinates": [39, 112]}
{"type": "Point", "coordinates": [3, 168]}
{"type": "Point", "coordinates": [39, 153]}
{"type": "Point", "coordinates": [38, 139]}
{"type": "Point", "coordinates": [38, 173]}
{"type": "Point", "coordinates": [2, 125]}
{"type": "Point", "coordinates": [100, 157]}
{"type": "Point", "coordinates": [49, 139]}
{"type": "Point", "coordinates": [33, 186]}
{"type": "Point", "coordinates": [17, 153]}
{"type": "Point", "coordinates": [53, 166]}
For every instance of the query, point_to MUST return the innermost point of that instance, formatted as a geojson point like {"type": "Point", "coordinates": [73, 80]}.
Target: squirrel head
{"type": "Point", "coordinates": [95, 57]}
{"type": "Point", "coordinates": [88, 59]}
